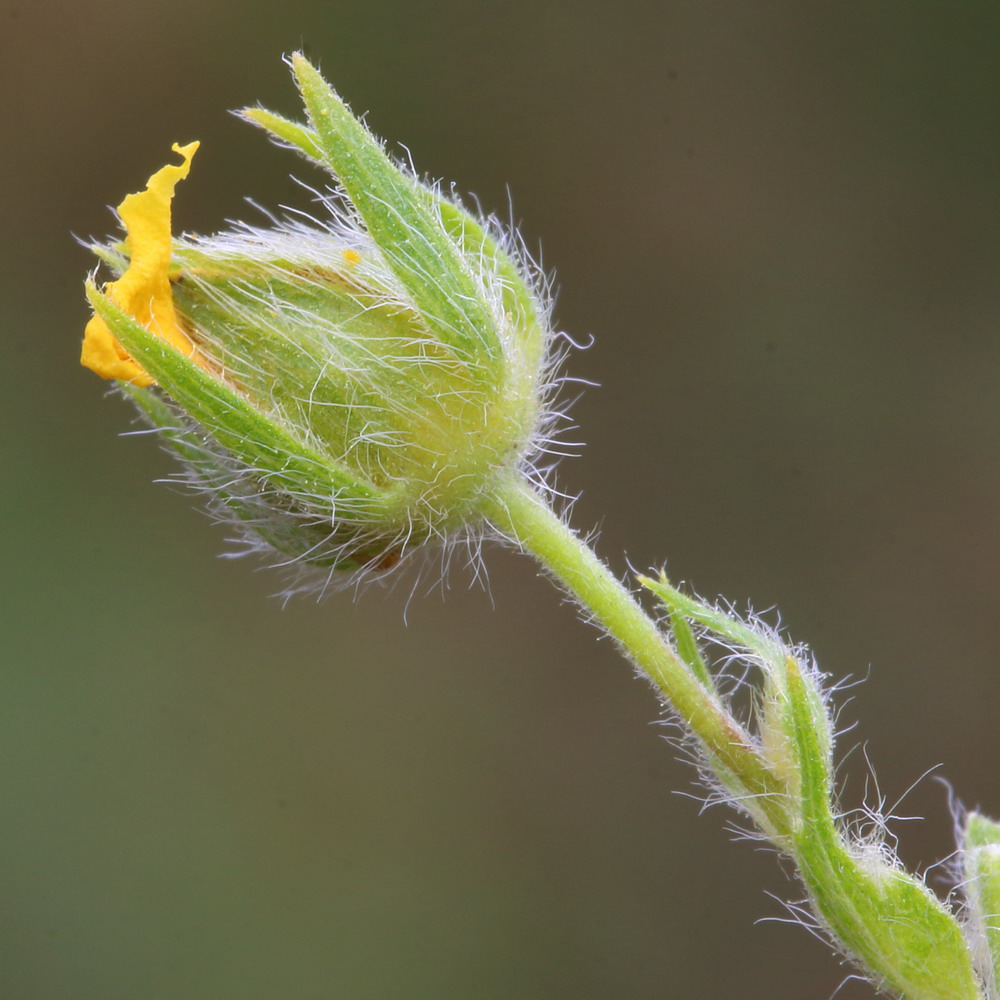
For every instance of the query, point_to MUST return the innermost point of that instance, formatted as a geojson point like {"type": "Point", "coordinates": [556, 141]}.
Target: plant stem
{"type": "Point", "coordinates": [522, 516]}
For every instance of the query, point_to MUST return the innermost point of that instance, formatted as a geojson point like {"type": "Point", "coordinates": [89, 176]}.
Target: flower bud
{"type": "Point", "coordinates": [344, 388]}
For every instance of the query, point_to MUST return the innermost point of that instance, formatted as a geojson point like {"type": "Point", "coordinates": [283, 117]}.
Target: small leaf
{"type": "Point", "coordinates": [687, 648]}
{"type": "Point", "coordinates": [908, 941]}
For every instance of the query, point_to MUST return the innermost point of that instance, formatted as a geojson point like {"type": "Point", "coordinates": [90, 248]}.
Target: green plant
{"type": "Point", "coordinates": [351, 390]}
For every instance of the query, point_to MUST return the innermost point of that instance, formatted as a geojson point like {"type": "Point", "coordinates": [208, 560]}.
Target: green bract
{"type": "Point", "coordinates": [361, 379]}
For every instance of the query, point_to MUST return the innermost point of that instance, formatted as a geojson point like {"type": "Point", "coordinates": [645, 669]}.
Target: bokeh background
{"type": "Point", "coordinates": [781, 223]}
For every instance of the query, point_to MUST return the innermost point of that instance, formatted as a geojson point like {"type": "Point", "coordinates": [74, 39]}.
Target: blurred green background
{"type": "Point", "coordinates": [781, 222]}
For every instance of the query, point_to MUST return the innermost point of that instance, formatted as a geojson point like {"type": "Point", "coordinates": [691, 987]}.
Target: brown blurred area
{"type": "Point", "coordinates": [781, 223]}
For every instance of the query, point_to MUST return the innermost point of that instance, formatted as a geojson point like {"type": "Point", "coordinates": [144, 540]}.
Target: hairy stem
{"type": "Point", "coordinates": [887, 920]}
{"type": "Point", "coordinates": [521, 515]}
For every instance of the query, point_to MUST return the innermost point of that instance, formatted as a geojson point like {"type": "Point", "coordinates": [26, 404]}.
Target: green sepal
{"type": "Point", "coordinates": [402, 221]}
{"type": "Point", "coordinates": [235, 423]}
{"type": "Point", "coordinates": [465, 230]}
{"type": "Point", "coordinates": [247, 500]}
{"type": "Point", "coordinates": [980, 853]}
{"type": "Point", "coordinates": [518, 301]}
{"type": "Point", "coordinates": [114, 255]}
{"type": "Point", "coordinates": [377, 378]}
{"type": "Point", "coordinates": [293, 134]}
{"type": "Point", "coordinates": [905, 938]}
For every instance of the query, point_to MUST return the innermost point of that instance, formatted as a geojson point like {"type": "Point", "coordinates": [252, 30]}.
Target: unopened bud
{"type": "Point", "coordinates": [343, 388]}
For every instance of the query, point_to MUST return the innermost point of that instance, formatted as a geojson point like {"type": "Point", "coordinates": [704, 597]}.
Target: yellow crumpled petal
{"type": "Point", "coordinates": [143, 291]}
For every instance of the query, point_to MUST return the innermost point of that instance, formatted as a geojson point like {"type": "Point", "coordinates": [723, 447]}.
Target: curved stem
{"type": "Point", "coordinates": [518, 512]}
{"type": "Point", "coordinates": [887, 920]}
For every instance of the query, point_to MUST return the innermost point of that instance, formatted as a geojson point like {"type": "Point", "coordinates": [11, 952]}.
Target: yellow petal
{"type": "Point", "coordinates": [143, 291]}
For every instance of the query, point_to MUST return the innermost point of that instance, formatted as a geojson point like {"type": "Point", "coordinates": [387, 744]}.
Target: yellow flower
{"type": "Point", "coordinates": [143, 291]}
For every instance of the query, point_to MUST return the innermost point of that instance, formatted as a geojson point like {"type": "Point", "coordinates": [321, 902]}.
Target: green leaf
{"type": "Point", "coordinates": [907, 940]}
